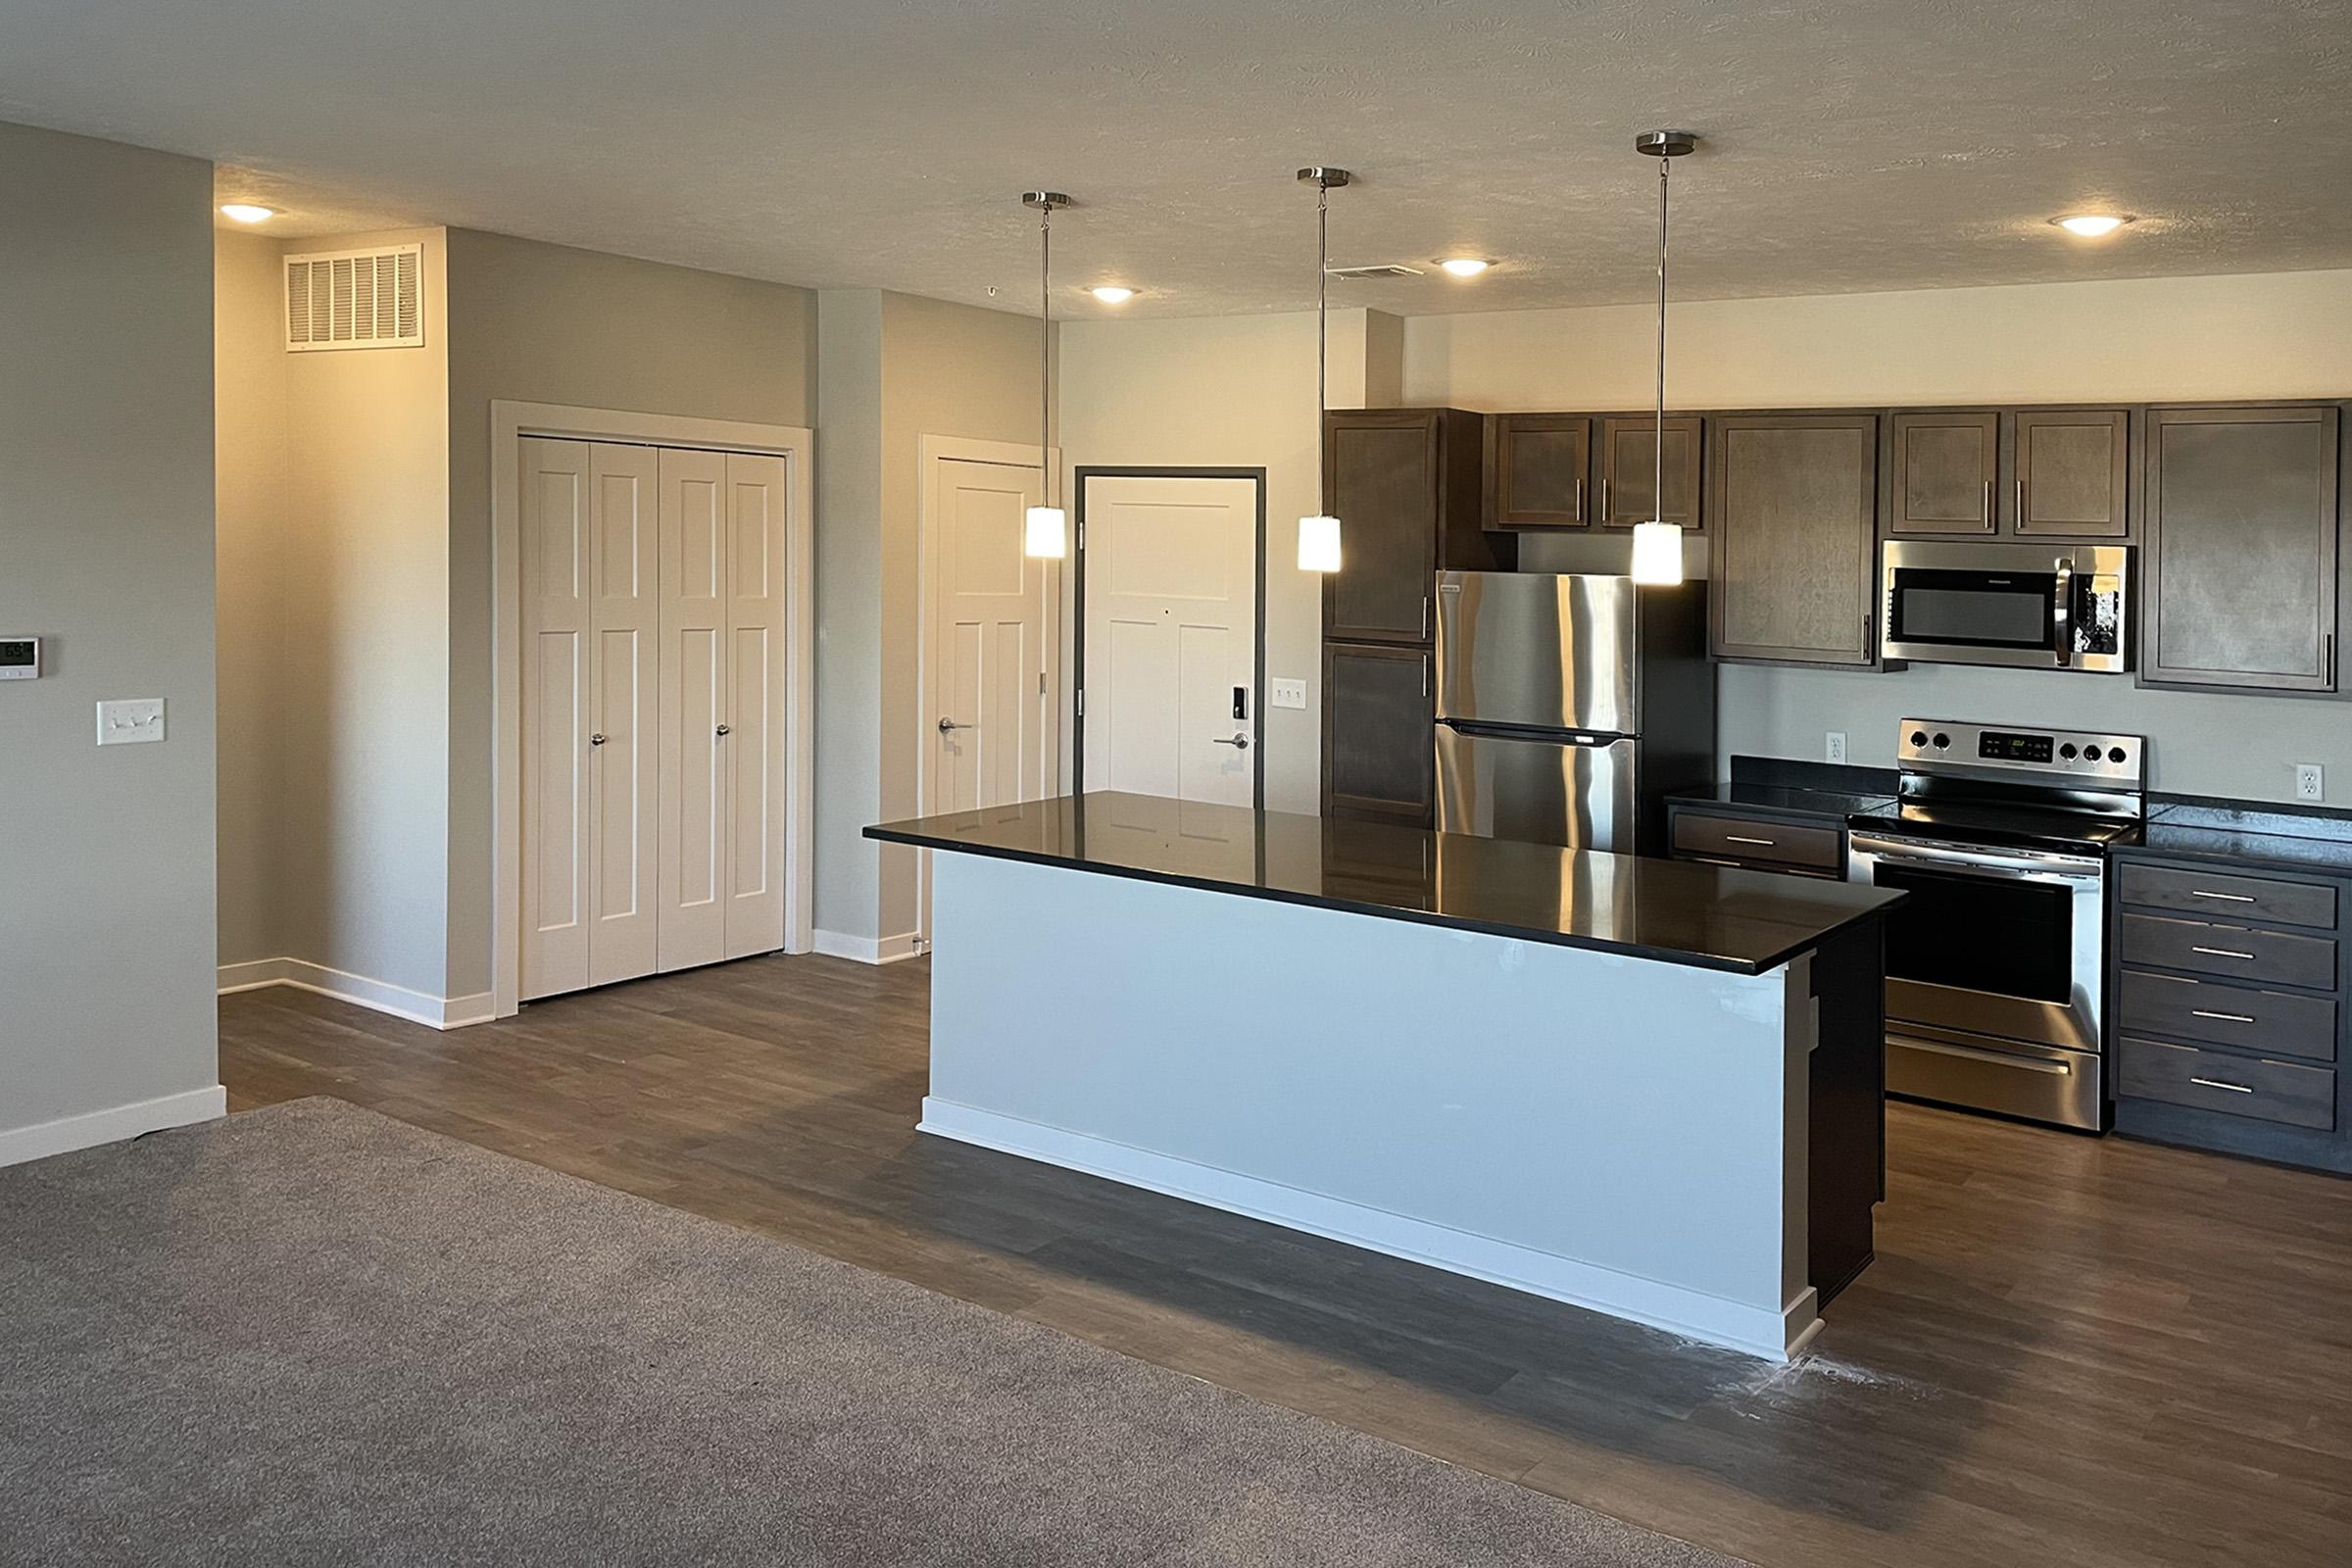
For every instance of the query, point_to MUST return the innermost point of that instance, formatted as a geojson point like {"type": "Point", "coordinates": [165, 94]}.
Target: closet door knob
{"type": "Point", "coordinates": [723, 729]}
{"type": "Point", "coordinates": [596, 740]}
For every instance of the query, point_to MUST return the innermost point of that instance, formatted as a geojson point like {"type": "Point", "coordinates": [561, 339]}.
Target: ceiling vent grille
{"type": "Point", "coordinates": [1388, 270]}
{"type": "Point", "coordinates": [356, 299]}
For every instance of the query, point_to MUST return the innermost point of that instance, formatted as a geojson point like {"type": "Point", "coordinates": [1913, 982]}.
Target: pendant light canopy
{"type": "Point", "coordinates": [1045, 531]}
{"type": "Point", "coordinates": [1657, 542]}
{"type": "Point", "coordinates": [1319, 535]}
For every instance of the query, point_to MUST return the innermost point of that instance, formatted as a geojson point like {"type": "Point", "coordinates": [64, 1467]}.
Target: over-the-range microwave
{"type": "Point", "coordinates": [2036, 606]}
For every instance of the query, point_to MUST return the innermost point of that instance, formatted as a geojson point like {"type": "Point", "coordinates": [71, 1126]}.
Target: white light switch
{"type": "Point", "coordinates": [128, 720]}
{"type": "Point", "coordinates": [1288, 693]}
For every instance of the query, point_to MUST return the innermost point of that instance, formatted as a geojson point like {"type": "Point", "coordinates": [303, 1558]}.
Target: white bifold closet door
{"type": "Point", "coordinates": [653, 671]}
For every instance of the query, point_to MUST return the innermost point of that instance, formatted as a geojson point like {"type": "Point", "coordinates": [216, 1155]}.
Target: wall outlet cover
{"type": "Point", "coordinates": [1834, 750]}
{"type": "Point", "coordinates": [130, 720]}
{"type": "Point", "coordinates": [1287, 693]}
{"type": "Point", "coordinates": [2310, 783]}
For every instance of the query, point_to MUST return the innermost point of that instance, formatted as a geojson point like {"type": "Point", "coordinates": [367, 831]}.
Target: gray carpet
{"type": "Point", "coordinates": [312, 1334]}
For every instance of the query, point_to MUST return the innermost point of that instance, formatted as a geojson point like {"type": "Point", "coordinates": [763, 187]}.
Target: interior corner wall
{"type": "Point", "coordinates": [107, 914]}
{"type": "Point", "coordinates": [546, 324]}
{"type": "Point", "coordinates": [849, 609]}
{"type": "Point", "coordinates": [2270, 335]}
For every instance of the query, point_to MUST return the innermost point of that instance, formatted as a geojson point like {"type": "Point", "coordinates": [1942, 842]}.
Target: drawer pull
{"type": "Point", "coordinates": [1738, 838]}
{"type": "Point", "coordinates": [2216, 1083]}
{"type": "Point", "coordinates": [2226, 898]}
{"type": "Point", "coordinates": [2222, 952]}
{"type": "Point", "coordinates": [2225, 1017]}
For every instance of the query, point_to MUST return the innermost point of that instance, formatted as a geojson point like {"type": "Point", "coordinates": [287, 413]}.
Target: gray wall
{"type": "Point", "coordinates": [106, 552]}
{"type": "Point", "coordinates": [544, 323]}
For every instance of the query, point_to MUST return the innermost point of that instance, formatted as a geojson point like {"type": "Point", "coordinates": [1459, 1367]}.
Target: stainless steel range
{"type": "Point", "coordinates": [1996, 966]}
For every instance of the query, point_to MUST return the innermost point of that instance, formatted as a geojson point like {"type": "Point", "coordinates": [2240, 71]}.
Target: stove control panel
{"type": "Point", "coordinates": [1942, 745]}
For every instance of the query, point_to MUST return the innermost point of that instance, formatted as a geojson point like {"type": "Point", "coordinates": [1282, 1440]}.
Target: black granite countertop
{"type": "Point", "coordinates": [1787, 799]}
{"type": "Point", "coordinates": [1710, 917]}
{"type": "Point", "coordinates": [2244, 834]}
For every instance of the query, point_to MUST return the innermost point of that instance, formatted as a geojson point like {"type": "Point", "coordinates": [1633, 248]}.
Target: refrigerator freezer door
{"type": "Point", "coordinates": [1538, 651]}
{"type": "Point", "coordinates": [1545, 791]}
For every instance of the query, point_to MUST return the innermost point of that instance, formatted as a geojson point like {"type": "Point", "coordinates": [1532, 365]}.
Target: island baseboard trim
{"type": "Point", "coordinates": [868, 950]}
{"type": "Point", "coordinates": [1755, 1331]}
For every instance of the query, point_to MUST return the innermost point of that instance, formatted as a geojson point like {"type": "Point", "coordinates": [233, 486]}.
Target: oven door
{"type": "Point", "coordinates": [1994, 974]}
{"type": "Point", "coordinates": [1975, 615]}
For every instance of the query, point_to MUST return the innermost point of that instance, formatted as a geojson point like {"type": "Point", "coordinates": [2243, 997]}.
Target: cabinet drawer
{"type": "Point", "coordinates": [1770, 844]}
{"type": "Point", "coordinates": [2232, 898]}
{"type": "Point", "coordinates": [2228, 951]}
{"type": "Point", "coordinates": [2239, 1086]}
{"type": "Point", "coordinates": [2272, 1022]}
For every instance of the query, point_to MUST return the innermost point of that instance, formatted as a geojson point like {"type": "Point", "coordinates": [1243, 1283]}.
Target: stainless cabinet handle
{"type": "Point", "coordinates": [2223, 1017]}
{"type": "Point", "coordinates": [1736, 838]}
{"type": "Point", "coordinates": [947, 725]}
{"type": "Point", "coordinates": [1580, 498]}
{"type": "Point", "coordinates": [596, 740]}
{"type": "Point", "coordinates": [2222, 952]}
{"type": "Point", "coordinates": [1425, 618]}
{"type": "Point", "coordinates": [2216, 1083]}
{"type": "Point", "coordinates": [2226, 898]}
{"type": "Point", "coordinates": [2328, 661]}
{"type": "Point", "coordinates": [1988, 506]}
{"type": "Point", "coordinates": [2018, 517]}
{"type": "Point", "coordinates": [1240, 743]}
{"type": "Point", "coordinates": [1604, 498]}
{"type": "Point", "coordinates": [1425, 674]}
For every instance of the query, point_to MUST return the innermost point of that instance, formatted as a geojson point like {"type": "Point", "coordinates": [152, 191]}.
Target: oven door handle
{"type": "Point", "coordinates": [2019, 865]}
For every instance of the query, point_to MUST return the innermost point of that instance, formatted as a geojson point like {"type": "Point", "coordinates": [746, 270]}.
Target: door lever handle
{"type": "Point", "coordinates": [1240, 743]}
{"type": "Point", "coordinates": [947, 725]}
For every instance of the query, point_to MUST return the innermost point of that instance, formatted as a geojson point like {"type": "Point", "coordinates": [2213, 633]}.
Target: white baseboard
{"type": "Point", "coordinates": [379, 996]}
{"type": "Point", "coordinates": [112, 1125]}
{"type": "Point", "coordinates": [869, 950]}
{"type": "Point", "coordinates": [1757, 1331]}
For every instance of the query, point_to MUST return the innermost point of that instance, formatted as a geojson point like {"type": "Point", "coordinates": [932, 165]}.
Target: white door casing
{"type": "Point", "coordinates": [756, 504]}
{"type": "Point", "coordinates": [1171, 637]}
{"type": "Point", "coordinates": [694, 705]}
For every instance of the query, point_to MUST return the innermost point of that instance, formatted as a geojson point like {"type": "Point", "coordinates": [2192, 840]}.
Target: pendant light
{"type": "Point", "coordinates": [1045, 531]}
{"type": "Point", "coordinates": [1319, 535]}
{"type": "Point", "coordinates": [1657, 542]}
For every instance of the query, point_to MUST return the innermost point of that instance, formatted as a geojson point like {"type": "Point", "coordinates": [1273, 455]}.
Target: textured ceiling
{"type": "Point", "coordinates": [1852, 144]}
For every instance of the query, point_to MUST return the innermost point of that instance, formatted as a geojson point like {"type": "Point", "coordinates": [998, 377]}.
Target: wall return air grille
{"type": "Point", "coordinates": [356, 299]}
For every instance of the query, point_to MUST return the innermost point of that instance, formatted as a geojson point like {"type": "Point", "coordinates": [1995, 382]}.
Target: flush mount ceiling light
{"type": "Point", "coordinates": [1463, 265]}
{"type": "Point", "coordinates": [1111, 293]}
{"type": "Point", "coordinates": [247, 211]}
{"type": "Point", "coordinates": [1657, 542]}
{"type": "Point", "coordinates": [2090, 226]}
{"type": "Point", "coordinates": [1319, 535]}
{"type": "Point", "coordinates": [1044, 531]}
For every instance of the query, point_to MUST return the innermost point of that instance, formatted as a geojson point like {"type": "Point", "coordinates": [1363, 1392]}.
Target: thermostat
{"type": "Point", "coordinates": [19, 657]}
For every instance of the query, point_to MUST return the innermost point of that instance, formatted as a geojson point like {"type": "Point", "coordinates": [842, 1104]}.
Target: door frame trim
{"type": "Point", "coordinates": [510, 421]}
{"type": "Point", "coordinates": [1258, 714]}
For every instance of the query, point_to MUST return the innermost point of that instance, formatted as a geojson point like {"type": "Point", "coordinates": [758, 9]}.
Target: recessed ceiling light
{"type": "Point", "coordinates": [247, 211]}
{"type": "Point", "coordinates": [2090, 226]}
{"type": "Point", "coordinates": [1463, 265]}
{"type": "Point", "coordinates": [1112, 294]}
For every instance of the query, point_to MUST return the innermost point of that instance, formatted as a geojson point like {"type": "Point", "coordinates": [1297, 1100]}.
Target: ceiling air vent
{"type": "Point", "coordinates": [1388, 270]}
{"type": "Point", "coordinates": [356, 299]}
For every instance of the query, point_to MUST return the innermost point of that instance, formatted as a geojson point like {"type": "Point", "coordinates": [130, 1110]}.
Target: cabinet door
{"type": "Point", "coordinates": [1537, 469]}
{"type": "Point", "coordinates": [1792, 503]}
{"type": "Point", "coordinates": [1629, 462]}
{"type": "Point", "coordinates": [1381, 477]}
{"type": "Point", "coordinates": [2071, 473]}
{"type": "Point", "coordinates": [1945, 465]}
{"type": "Point", "coordinates": [2242, 570]}
{"type": "Point", "coordinates": [1378, 733]}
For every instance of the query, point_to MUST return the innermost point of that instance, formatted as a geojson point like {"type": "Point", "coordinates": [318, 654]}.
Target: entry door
{"type": "Point", "coordinates": [590, 655]}
{"type": "Point", "coordinates": [990, 734]}
{"type": "Point", "coordinates": [1171, 684]}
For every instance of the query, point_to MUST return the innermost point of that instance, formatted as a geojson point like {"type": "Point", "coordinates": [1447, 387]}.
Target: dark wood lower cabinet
{"type": "Point", "coordinates": [1378, 733]}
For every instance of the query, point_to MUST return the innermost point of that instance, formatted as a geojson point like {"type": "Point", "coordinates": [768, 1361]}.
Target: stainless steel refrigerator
{"type": "Point", "coordinates": [1569, 706]}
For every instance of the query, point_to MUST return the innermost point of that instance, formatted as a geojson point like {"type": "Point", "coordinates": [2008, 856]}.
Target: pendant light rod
{"type": "Point", "coordinates": [1325, 180]}
{"type": "Point", "coordinates": [1657, 544]}
{"type": "Point", "coordinates": [1046, 202]}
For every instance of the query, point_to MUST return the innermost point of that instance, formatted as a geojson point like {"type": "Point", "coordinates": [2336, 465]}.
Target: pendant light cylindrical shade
{"type": "Point", "coordinates": [1044, 531]}
{"type": "Point", "coordinates": [1319, 535]}
{"type": "Point", "coordinates": [1657, 542]}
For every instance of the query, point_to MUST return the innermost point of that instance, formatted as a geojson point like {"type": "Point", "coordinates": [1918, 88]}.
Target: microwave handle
{"type": "Point", "coordinates": [2062, 614]}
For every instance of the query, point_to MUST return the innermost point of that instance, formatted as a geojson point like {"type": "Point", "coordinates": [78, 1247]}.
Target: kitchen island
{"type": "Point", "coordinates": [1649, 1087]}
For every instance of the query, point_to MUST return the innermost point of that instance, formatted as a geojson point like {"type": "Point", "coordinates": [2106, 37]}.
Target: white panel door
{"type": "Point", "coordinates": [625, 569]}
{"type": "Point", "coordinates": [694, 707]}
{"type": "Point", "coordinates": [988, 730]}
{"type": "Point", "coordinates": [558, 715]}
{"type": "Point", "coordinates": [1171, 637]}
{"type": "Point", "coordinates": [753, 751]}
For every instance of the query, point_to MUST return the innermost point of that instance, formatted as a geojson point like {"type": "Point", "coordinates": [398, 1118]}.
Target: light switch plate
{"type": "Point", "coordinates": [130, 720]}
{"type": "Point", "coordinates": [1287, 693]}
{"type": "Point", "coordinates": [2310, 783]}
{"type": "Point", "coordinates": [1834, 750]}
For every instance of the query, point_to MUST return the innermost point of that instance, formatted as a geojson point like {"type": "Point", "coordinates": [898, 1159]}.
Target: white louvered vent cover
{"type": "Point", "coordinates": [356, 299]}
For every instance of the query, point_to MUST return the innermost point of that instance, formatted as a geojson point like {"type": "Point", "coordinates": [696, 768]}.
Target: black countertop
{"type": "Point", "coordinates": [1788, 800]}
{"type": "Point", "coordinates": [1710, 917]}
{"type": "Point", "coordinates": [2243, 834]}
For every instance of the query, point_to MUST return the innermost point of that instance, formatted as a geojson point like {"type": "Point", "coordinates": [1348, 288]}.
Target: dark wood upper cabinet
{"type": "Point", "coordinates": [1404, 485]}
{"type": "Point", "coordinates": [1378, 733]}
{"type": "Point", "coordinates": [2071, 473]}
{"type": "Point", "coordinates": [1792, 503]}
{"type": "Point", "coordinates": [2239, 580]}
{"type": "Point", "coordinates": [1945, 472]}
{"type": "Point", "coordinates": [1539, 471]}
{"type": "Point", "coordinates": [1629, 463]}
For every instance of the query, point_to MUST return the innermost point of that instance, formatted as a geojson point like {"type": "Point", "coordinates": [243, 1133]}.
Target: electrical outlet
{"type": "Point", "coordinates": [1287, 693]}
{"type": "Point", "coordinates": [1835, 750]}
{"type": "Point", "coordinates": [128, 720]}
{"type": "Point", "coordinates": [2309, 784]}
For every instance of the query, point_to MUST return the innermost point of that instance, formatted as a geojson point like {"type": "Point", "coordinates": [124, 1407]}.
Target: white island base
{"type": "Point", "coordinates": [1626, 1134]}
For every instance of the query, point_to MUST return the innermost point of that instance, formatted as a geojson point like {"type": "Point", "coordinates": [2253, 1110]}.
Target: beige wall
{"type": "Point", "coordinates": [544, 323]}
{"type": "Point", "coordinates": [106, 913]}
